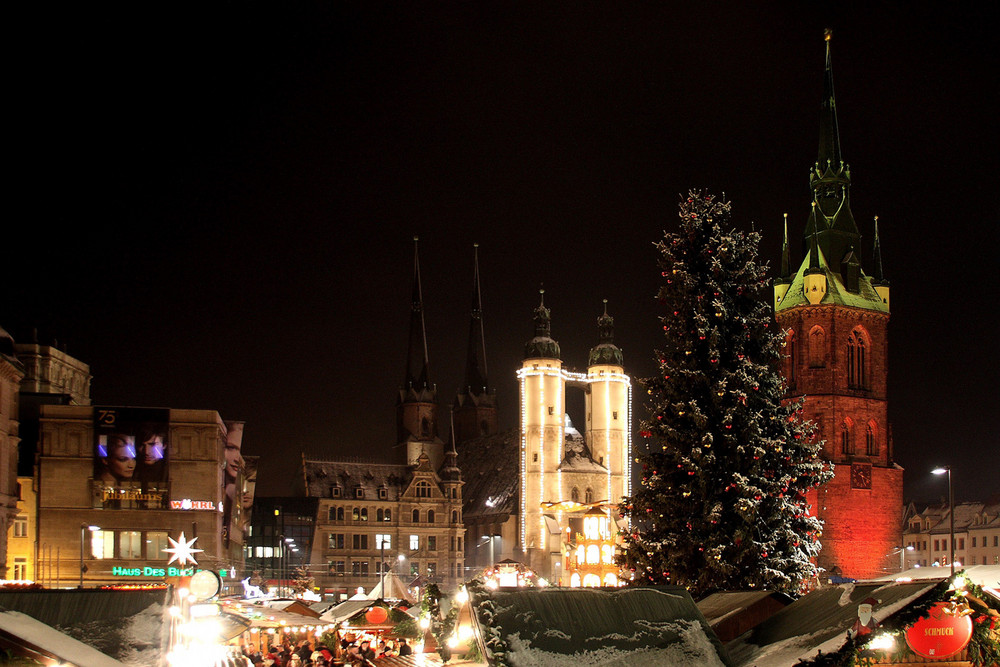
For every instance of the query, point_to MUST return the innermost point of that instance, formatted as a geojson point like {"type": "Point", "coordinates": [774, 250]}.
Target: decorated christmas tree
{"type": "Point", "coordinates": [302, 581]}
{"type": "Point", "coordinates": [726, 461]}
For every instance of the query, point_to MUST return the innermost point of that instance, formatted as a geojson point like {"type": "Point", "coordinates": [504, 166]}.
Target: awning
{"type": "Point", "coordinates": [344, 611]}
{"type": "Point", "coordinates": [28, 637]}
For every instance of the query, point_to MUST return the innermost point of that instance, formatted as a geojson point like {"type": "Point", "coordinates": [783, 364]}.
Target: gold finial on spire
{"type": "Point", "coordinates": [827, 34]}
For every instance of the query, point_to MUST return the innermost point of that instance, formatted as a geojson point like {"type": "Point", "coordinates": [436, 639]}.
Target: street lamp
{"type": "Point", "coordinates": [381, 564]}
{"type": "Point", "coordinates": [286, 544]}
{"type": "Point", "coordinates": [83, 533]}
{"type": "Point", "coordinates": [951, 514]}
{"type": "Point", "coordinates": [902, 555]}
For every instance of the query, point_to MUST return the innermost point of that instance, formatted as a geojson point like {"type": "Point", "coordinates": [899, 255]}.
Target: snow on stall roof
{"type": "Point", "coordinates": [819, 621]}
{"type": "Point", "coordinates": [719, 606]}
{"type": "Point", "coordinates": [47, 638]}
{"type": "Point", "coordinates": [634, 626]}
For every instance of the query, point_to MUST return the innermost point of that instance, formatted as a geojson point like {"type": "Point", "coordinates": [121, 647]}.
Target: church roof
{"type": "Point", "coordinates": [836, 292]}
{"type": "Point", "coordinates": [490, 470]}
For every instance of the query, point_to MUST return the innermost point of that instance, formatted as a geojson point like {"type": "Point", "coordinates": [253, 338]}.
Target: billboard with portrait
{"type": "Point", "coordinates": [232, 479]}
{"type": "Point", "coordinates": [131, 457]}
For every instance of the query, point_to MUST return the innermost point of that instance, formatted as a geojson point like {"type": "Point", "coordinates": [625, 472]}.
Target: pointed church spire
{"type": "Point", "coordinates": [831, 220]}
{"type": "Point", "coordinates": [475, 364]}
{"type": "Point", "coordinates": [829, 133]}
{"type": "Point", "coordinates": [474, 412]}
{"type": "Point", "coordinates": [786, 257]}
{"type": "Point", "coordinates": [877, 258]}
{"type": "Point", "coordinates": [813, 249]}
{"type": "Point", "coordinates": [416, 356]}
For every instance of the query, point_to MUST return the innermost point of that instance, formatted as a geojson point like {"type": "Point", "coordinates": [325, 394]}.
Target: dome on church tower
{"type": "Point", "coordinates": [606, 352]}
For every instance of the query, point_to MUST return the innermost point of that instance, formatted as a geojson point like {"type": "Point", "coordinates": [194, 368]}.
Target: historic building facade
{"type": "Point", "coordinates": [927, 537]}
{"type": "Point", "coordinates": [405, 516]}
{"type": "Point", "coordinates": [835, 317]}
{"type": "Point", "coordinates": [563, 474]}
{"type": "Point", "coordinates": [113, 500]}
{"type": "Point", "coordinates": [545, 494]}
{"type": "Point", "coordinates": [11, 372]}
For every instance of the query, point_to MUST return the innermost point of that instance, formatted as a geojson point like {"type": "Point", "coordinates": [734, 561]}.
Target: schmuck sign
{"type": "Point", "coordinates": [940, 634]}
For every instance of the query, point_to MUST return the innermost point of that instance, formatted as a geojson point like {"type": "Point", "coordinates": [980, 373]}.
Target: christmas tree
{"type": "Point", "coordinates": [727, 460]}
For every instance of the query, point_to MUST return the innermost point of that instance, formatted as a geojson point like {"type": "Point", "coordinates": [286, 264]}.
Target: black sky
{"type": "Point", "coordinates": [218, 205]}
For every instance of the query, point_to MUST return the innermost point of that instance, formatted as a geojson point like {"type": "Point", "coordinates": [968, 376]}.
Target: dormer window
{"type": "Point", "coordinates": [359, 492]}
{"type": "Point", "coordinates": [335, 492]}
{"type": "Point", "coordinates": [383, 493]}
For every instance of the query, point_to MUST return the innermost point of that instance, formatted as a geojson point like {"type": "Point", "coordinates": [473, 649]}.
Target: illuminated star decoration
{"type": "Point", "coordinates": [182, 550]}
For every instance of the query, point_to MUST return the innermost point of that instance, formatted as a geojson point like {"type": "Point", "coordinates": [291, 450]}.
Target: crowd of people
{"type": "Point", "coordinates": [362, 651]}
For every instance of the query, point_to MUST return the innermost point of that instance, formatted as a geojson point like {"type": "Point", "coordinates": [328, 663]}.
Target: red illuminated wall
{"type": "Point", "coordinates": [862, 526]}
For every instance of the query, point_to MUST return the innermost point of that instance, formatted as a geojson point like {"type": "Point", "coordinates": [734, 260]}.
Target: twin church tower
{"type": "Point", "coordinates": [557, 475]}
{"type": "Point", "coordinates": [542, 489]}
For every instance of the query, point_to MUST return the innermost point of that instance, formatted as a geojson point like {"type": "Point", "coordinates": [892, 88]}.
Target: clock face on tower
{"type": "Point", "coordinates": [861, 476]}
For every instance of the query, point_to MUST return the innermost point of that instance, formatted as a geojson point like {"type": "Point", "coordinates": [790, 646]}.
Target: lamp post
{"type": "Point", "coordinates": [902, 556]}
{"type": "Point", "coordinates": [286, 544]}
{"type": "Point", "coordinates": [951, 515]}
{"type": "Point", "coordinates": [381, 565]}
{"type": "Point", "coordinates": [83, 532]}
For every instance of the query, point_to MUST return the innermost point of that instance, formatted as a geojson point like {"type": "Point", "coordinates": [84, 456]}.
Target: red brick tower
{"type": "Point", "coordinates": [835, 317]}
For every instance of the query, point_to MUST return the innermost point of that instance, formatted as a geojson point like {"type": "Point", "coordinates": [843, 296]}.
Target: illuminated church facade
{"type": "Point", "coordinates": [835, 318]}
{"type": "Point", "coordinates": [570, 483]}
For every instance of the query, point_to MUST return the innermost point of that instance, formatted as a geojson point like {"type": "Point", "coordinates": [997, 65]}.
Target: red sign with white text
{"type": "Point", "coordinates": [939, 634]}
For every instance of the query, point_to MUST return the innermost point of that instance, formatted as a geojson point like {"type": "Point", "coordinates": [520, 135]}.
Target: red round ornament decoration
{"type": "Point", "coordinates": [939, 634]}
{"type": "Point", "coordinates": [376, 615]}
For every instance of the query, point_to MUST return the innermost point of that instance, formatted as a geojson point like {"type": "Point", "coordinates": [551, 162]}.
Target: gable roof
{"type": "Point", "coordinates": [820, 621]}
{"type": "Point", "coordinates": [640, 625]}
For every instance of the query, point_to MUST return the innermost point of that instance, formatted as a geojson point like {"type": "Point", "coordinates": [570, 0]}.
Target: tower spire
{"type": "Point", "coordinates": [829, 134]}
{"type": "Point", "coordinates": [542, 345]}
{"type": "Point", "coordinates": [831, 219]}
{"type": "Point", "coordinates": [474, 412]}
{"type": "Point", "coordinates": [417, 378]}
{"type": "Point", "coordinates": [605, 352]}
{"type": "Point", "coordinates": [877, 257]}
{"type": "Point", "coordinates": [475, 365]}
{"type": "Point", "coordinates": [786, 257]}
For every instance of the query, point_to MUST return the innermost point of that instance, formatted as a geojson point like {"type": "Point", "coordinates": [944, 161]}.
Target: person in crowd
{"type": "Point", "coordinates": [404, 647]}
{"type": "Point", "coordinates": [117, 458]}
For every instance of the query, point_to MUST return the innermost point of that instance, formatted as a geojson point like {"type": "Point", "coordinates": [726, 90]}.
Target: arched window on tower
{"type": "Point", "coordinates": [817, 347]}
{"type": "Point", "coordinates": [845, 438]}
{"type": "Point", "coordinates": [588, 496]}
{"type": "Point", "coordinates": [871, 440]}
{"type": "Point", "coordinates": [857, 371]}
{"type": "Point", "coordinates": [574, 495]}
{"type": "Point", "coordinates": [416, 516]}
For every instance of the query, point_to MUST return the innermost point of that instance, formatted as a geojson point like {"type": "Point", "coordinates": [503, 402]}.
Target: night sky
{"type": "Point", "coordinates": [218, 205]}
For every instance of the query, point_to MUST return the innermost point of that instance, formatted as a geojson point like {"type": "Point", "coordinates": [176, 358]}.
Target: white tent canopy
{"type": "Point", "coordinates": [395, 589]}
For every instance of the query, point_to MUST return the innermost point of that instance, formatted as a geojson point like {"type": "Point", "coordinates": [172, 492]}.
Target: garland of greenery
{"type": "Point", "coordinates": [485, 609]}
{"type": "Point", "coordinates": [971, 599]}
{"type": "Point", "coordinates": [430, 604]}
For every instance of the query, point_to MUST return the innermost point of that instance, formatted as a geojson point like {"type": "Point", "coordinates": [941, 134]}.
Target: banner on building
{"type": "Point", "coordinates": [232, 480]}
{"type": "Point", "coordinates": [131, 457]}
